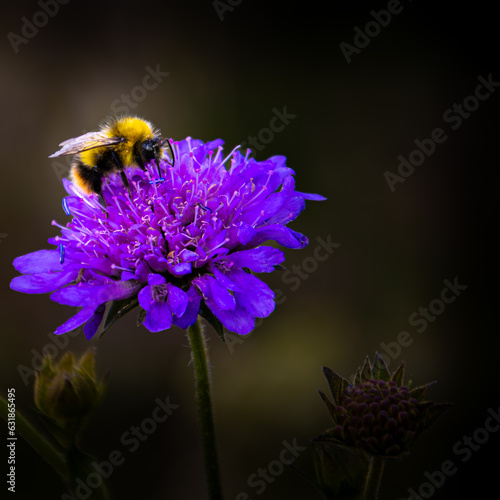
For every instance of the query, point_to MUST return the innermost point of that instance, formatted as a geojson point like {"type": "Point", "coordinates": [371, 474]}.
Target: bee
{"type": "Point", "coordinates": [120, 143]}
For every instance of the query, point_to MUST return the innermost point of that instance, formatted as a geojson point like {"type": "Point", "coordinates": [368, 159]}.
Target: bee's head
{"type": "Point", "coordinates": [151, 150]}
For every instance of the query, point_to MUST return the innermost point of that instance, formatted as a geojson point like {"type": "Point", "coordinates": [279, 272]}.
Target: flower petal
{"type": "Point", "coordinates": [42, 261]}
{"type": "Point", "coordinates": [146, 298]}
{"type": "Point", "coordinates": [159, 317]}
{"type": "Point", "coordinates": [127, 275]}
{"type": "Point", "coordinates": [42, 282]}
{"type": "Point", "coordinates": [187, 256]}
{"type": "Point", "coordinates": [177, 300]}
{"type": "Point", "coordinates": [142, 271]}
{"type": "Point", "coordinates": [86, 295]}
{"type": "Point", "coordinates": [261, 259]}
{"type": "Point", "coordinates": [91, 326]}
{"type": "Point", "coordinates": [180, 269]}
{"type": "Point", "coordinates": [191, 313]}
{"type": "Point", "coordinates": [224, 280]}
{"type": "Point", "coordinates": [104, 266]}
{"type": "Point", "coordinates": [77, 320]}
{"type": "Point", "coordinates": [256, 297]}
{"type": "Point", "coordinates": [156, 279]}
{"type": "Point", "coordinates": [220, 295]}
{"type": "Point", "coordinates": [238, 320]}
{"type": "Point", "coordinates": [289, 211]}
{"type": "Point", "coordinates": [245, 233]}
{"type": "Point", "coordinates": [310, 196]}
{"type": "Point", "coordinates": [281, 234]}
{"type": "Point", "coordinates": [157, 264]}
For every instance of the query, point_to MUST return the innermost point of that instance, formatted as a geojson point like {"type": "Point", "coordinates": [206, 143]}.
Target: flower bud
{"type": "Point", "coordinates": [374, 418]}
{"type": "Point", "coordinates": [377, 413]}
{"type": "Point", "coordinates": [65, 395]}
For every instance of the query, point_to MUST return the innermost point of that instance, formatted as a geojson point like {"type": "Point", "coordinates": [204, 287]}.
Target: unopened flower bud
{"type": "Point", "coordinates": [66, 393]}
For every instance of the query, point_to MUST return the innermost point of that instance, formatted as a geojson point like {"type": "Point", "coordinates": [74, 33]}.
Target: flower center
{"type": "Point", "coordinates": [159, 293]}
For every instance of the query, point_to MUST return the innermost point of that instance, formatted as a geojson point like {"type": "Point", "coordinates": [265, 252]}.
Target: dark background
{"type": "Point", "coordinates": [352, 122]}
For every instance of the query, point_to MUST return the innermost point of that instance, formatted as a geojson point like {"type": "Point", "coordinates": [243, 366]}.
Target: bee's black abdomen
{"type": "Point", "coordinates": [96, 180]}
{"type": "Point", "coordinates": [87, 178]}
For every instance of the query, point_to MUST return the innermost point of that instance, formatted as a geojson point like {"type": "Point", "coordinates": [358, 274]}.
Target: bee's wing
{"type": "Point", "coordinates": [85, 142]}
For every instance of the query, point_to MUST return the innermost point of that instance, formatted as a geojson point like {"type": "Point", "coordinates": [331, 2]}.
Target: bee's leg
{"type": "Point", "coordinates": [125, 182]}
{"type": "Point", "coordinates": [119, 165]}
{"type": "Point", "coordinates": [159, 171]}
{"type": "Point", "coordinates": [80, 275]}
{"type": "Point", "coordinates": [171, 152]}
{"type": "Point", "coordinates": [96, 181]}
{"type": "Point", "coordinates": [139, 162]}
{"type": "Point", "coordinates": [102, 202]}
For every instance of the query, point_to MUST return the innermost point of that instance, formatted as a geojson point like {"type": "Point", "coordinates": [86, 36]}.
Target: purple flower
{"type": "Point", "coordinates": [183, 245]}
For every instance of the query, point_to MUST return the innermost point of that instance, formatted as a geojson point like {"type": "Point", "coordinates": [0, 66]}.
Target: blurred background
{"type": "Point", "coordinates": [352, 106]}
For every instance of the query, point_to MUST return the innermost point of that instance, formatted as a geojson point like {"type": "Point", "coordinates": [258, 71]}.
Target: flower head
{"type": "Point", "coordinates": [376, 417]}
{"type": "Point", "coordinates": [378, 413]}
{"type": "Point", "coordinates": [179, 246]}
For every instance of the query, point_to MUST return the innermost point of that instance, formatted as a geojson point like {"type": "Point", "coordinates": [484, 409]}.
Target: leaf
{"type": "Point", "coordinates": [117, 310]}
{"type": "Point", "coordinates": [399, 374]}
{"type": "Point", "coordinates": [340, 470]}
{"type": "Point", "coordinates": [358, 378]}
{"type": "Point", "coordinates": [420, 391]}
{"type": "Point", "coordinates": [87, 362]}
{"type": "Point", "coordinates": [366, 370]}
{"type": "Point", "coordinates": [141, 317]}
{"type": "Point", "coordinates": [66, 363]}
{"type": "Point", "coordinates": [331, 406]}
{"type": "Point", "coordinates": [380, 370]}
{"type": "Point", "coordinates": [337, 383]}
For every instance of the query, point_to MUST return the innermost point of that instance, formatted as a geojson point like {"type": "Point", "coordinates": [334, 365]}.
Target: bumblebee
{"type": "Point", "coordinates": [120, 143]}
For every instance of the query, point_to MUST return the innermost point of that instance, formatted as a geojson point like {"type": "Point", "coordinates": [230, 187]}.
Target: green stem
{"type": "Point", "coordinates": [205, 415]}
{"type": "Point", "coordinates": [374, 478]}
{"type": "Point", "coordinates": [43, 447]}
{"type": "Point", "coordinates": [80, 466]}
